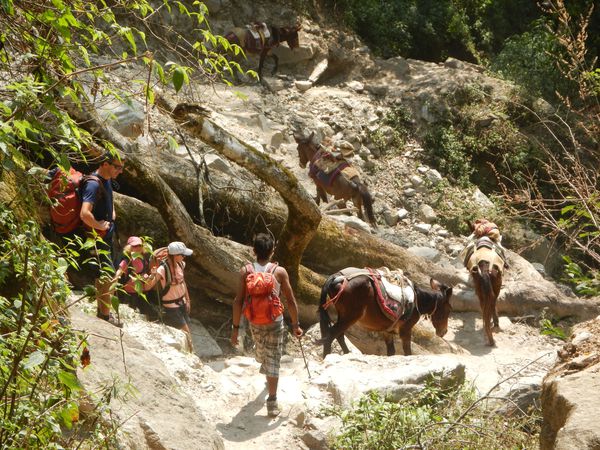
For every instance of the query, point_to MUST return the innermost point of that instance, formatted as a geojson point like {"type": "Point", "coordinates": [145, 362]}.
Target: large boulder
{"type": "Point", "coordinates": [151, 418]}
{"type": "Point", "coordinates": [571, 393]}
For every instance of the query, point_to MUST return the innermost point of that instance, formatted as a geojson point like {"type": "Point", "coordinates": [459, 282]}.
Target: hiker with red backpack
{"type": "Point", "coordinates": [260, 284]}
{"type": "Point", "coordinates": [98, 217]}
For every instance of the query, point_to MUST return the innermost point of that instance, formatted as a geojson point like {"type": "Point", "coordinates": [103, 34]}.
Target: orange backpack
{"type": "Point", "coordinates": [262, 306]}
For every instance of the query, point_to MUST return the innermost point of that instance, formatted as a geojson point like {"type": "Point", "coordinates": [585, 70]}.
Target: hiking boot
{"type": "Point", "coordinates": [110, 318]}
{"type": "Point", "coordinates": [273, 408]}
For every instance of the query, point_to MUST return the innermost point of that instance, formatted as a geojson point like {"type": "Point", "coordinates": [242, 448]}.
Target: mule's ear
{"type": "Point", "coordinates": [436, 285]}
{"type": "Point", "coordinates": [448, 293]}
{"type": "Point", "coordinates": [312, 135]}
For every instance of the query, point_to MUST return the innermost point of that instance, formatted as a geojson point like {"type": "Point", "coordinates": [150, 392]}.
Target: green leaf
{"type": "Point", "coordinates": [566, 209]}
{"type": "Point", "coordinates": [34, 360]}
{"type": "Point", "coordinates": [69, 380]}
{"type": "Point", "coordinates": [178, 78]}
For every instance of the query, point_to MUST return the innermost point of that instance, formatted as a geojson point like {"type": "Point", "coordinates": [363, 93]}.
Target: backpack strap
{"type": "Point", "coordinates": [271, 267]}
{"type": "Point", "coordinates": [168, 279]}
{"type": "Point", "coordinates": [96, 178]}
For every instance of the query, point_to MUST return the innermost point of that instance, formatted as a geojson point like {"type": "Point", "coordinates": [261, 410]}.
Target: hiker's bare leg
{"type": "Point", "coordinates": [188, 336]}
{"type": "Point", "coordinates": [272, 386]}
{"type": "Point", "coordinates": [103, 295]}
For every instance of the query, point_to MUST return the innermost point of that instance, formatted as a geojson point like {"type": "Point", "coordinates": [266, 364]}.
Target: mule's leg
{"type": "Point", "coordinates": [389, 344]}
{"type": "Point", "coordinates": [321, 195]}
{"type": "Point", "coordinates": [487, 313]}
{"type": "Point", "coordinates": [406, 336]}
{"type": "Point", "coordinates": [276, 59]}
{"type": "Point", "coordinates": [357, 200]}
{"type": "Point", "coordinates": [326, 345]}
{"type": "Point", "coordinates": [342, 341]}
{"type": "Point", "coordinates": [263, 55]}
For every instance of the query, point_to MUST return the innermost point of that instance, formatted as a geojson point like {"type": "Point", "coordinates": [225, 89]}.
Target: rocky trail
{"type": "Point", "coordinates": [230, 394]}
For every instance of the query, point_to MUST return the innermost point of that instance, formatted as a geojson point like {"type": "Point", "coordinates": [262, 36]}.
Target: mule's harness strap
{"type": "Point", "coordinates": [333, 300]}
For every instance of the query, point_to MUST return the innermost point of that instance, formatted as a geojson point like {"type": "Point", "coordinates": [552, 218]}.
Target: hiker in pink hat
{"type": "Point", "coordinates": [132, 273]}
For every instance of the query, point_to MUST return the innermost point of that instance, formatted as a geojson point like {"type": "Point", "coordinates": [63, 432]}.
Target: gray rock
{"type": "Point", "coordinates": [426, 252]}
{"type": "Point", "coordinates": [303, 86]}
{"type": "Point", "coordinates": [423, 227]}
{"type": "Point", "coordinates": [427, 213]}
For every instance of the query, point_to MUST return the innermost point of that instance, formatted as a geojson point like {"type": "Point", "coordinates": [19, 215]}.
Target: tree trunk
{"type": "Point", "coordinates": [303, 214]}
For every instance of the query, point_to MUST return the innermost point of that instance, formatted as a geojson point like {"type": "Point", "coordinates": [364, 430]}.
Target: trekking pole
{"type": "Point", "coordinates": [304, 356]}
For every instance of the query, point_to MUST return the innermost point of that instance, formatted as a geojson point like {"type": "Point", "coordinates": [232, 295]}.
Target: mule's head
{"type": "Point", "coordinates": [290, 35]}
{"type": "Point", "coordinates": [306, 148]}
{"type": "Point", "coordinates": [439, 317]}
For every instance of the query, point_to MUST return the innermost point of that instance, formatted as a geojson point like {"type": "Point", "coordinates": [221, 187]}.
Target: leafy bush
{"type": "Point", "coordinates": [435, 418]}
{"type": "Point", "coordinates": [448, 152]}
{"type": "Point", "coordinates": [527, 59]}
{"type": "Point", "coordinates": [39, 352]}
{"type": "Point", "coordinates": [399, 121]}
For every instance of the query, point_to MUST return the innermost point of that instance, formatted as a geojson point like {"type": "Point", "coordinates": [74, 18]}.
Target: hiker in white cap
{"type": "Point", "coordinates": [175, 295]}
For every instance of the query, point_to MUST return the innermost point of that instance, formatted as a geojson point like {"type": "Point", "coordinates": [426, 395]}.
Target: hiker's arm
{"type": "Point", "coordinates": [151, 279]}
{"type": "Point", "coordinates": [188, 302]}
{"type": "Point", "coordinates": [87, 217]}
{"type": "Point", "coordinates": [286, 290]}
{"type": "Point", "coordinates": [237, 306]}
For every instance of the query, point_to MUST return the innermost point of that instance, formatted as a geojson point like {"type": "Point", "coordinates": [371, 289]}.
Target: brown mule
{"type": "Point", "coordinates": [357, 303]}
{"type": "Point", "coordinates": [262, 47]}
{"type": "Point", "coordinates": [486, 266]}
{"type": "Point", "coordinates": [341, 186]}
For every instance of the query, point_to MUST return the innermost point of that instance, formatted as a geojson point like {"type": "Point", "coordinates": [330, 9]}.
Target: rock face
{"type": "Point", "coordinates": [152, 418]}
{"type": "Point", "coordinates": [571, 393]}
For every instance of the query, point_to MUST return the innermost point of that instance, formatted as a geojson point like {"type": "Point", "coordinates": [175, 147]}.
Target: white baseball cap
{"type": "Point", "coordinates": [179, 248]}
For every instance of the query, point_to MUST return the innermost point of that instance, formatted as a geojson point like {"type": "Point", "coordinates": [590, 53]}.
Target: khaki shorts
{"type": "Point", "coordinates": [269, 346]}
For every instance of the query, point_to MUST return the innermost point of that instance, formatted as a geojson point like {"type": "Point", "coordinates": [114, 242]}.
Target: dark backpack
{"type": "Point", "coordinates": [64, 192]}
{"type": "Point", "coordinates": [262, 306]}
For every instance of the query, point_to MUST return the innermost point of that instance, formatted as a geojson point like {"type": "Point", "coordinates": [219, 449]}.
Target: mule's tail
{"type": "Point", "coordinates": [483, 268]}
{"type": "Point", "coordinates": [367, 202]}
{"type": "Point", "coordinates": [487, 302]}
{"type": "Point", "coordinates": [324, 321]}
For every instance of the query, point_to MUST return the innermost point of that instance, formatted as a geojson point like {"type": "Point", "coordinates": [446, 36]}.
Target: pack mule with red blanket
{"type": "Point", "coordinates": [358, 297]}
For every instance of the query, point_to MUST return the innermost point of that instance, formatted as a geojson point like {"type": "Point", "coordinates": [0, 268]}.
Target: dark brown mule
{"type": "Point", "coordinates": [357, 303]}
{"type": "Point", "coordinates": [486, 266]}
{"type": "Point", "coordinates": [262, 47]}
{"type": "Point", "coordinates": [341, 187]}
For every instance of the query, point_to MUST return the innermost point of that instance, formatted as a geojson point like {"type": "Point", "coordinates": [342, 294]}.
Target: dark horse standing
{"type": "Point", "coordinates": [262, 45]}
{"type": "Point", "coordinates": [355, 301]}
{"type": "Point", "coordinates": [341, 186]}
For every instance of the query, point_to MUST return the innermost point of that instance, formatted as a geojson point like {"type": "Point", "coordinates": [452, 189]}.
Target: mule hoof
{"type": "Point", "coordinates": [491, 343]}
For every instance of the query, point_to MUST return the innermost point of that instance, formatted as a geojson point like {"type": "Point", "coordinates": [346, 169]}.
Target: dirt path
{"type": "Point", "coordinates": [230, 392]}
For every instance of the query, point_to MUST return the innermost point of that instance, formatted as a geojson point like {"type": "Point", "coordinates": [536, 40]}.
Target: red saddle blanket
{"type": "Point", "coordinates": [397, 306]}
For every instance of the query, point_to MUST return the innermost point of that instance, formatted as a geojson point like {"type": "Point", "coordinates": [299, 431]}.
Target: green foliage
{"type": "Point", "coordinates": [477, 139]}
{"type": "Point", "coordinates": [529, 60]}
{"type": "Point", "coordinates": [398, 120]}
{"type": "Point", "coordinates": [584, 282]}
{"type": "Point", "coordinates": [547, 328]}
{"type": "Point", "coordinates": [433, 30]}
{"type": "Point", "coordinates": [39, 352]}
{"type": "Point", "coordinates": [431, 419]}
{"type": "Point", "coordinates": [448, 152]}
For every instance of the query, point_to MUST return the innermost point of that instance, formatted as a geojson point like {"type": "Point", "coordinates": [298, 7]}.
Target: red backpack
{"type": "Point", "coordinates": [66, 201]}
{"type": "Point", "coordinates": [262, 306]}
